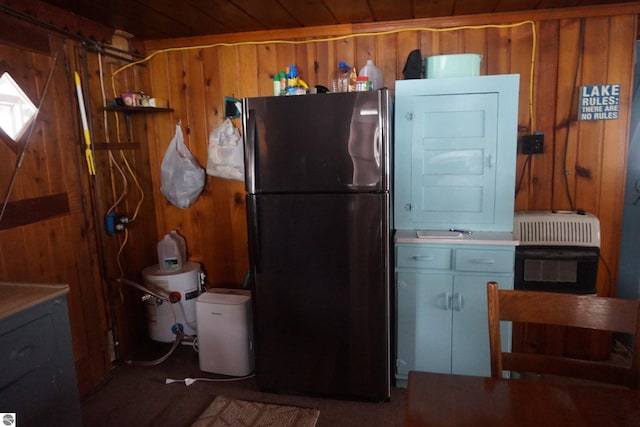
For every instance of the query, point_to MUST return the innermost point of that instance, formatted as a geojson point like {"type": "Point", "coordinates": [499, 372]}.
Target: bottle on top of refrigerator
{"type": "Point", "coordinates": [292, 80]}
{"type": "Point", "coordinates": [353, 80]}
{"type": "Point", "coordinates": [340, 78]}
{"type": "Point", "coordinates": [374, 73]}
{"type": "Point", "coordinates": [283, 82]}
{"type": "Point", "coordinates": [169, 256]}
{"type": "Point", "coordinates": [276, 84]}
{"type": "Point", "coordinates": [362, 84]}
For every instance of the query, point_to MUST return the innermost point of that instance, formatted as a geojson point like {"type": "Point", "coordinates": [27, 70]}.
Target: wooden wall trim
{"type": "Point", "coordinates": [17, 32]}
{"type": "Point", "coordinates": [502, 17]}
{"type": "Point", "coordinates": [29, 211]}
{"type": "Point", "coordinates": [284, 34]}
{"type": "Point", "coordinates": [440, 22]}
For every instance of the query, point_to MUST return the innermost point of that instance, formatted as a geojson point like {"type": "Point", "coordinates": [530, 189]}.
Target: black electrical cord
{"type": "Point", "coordinates": [606, 266]}
{"type": "Point", "coordinates": [527, 163]}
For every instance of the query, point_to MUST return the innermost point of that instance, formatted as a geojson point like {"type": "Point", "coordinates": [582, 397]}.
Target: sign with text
{"type": "Point", "coordinates": [599, 102]}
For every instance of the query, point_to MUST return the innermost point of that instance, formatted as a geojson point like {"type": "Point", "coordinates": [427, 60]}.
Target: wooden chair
{"type": "Point", "coordinates": [583, 311]}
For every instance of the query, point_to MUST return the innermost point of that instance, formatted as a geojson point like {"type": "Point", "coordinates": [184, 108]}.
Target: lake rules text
{"type": "Point", "coordinates": [599, 102]}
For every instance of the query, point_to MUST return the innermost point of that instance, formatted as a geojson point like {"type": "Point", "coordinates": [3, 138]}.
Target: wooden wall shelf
{"type": "Point", "coordinates": [127, 110]}
{"type": "Point", "coordinates": [132, 110]}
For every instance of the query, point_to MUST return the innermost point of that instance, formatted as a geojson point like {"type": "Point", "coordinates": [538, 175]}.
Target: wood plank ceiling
{"type": "Point", "coordinates": [160, 19]}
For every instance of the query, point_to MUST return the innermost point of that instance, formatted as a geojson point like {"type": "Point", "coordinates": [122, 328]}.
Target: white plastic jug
{"type": "Point", "coordinates": [374, 73]}
{"type": "Point", "coordinates": [182, 244]}
{"type": "Point", "coordinates": [169, 257]}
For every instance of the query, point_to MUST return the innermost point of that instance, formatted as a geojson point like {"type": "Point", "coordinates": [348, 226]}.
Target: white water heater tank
{"type": "Point", "coordinates": [163, 316]}
{"type": "Point", "coordinates": [225, 334]}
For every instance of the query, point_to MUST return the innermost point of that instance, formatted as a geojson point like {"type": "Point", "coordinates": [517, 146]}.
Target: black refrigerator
{"type": "Point", "coordinates": [318, 212]}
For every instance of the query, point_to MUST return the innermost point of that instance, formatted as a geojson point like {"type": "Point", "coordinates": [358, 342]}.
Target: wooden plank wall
{"type": "Point", "coordinates": [583, 166]}
{"type": "Point", "coordinates": [196, 74]}
{"type": "Point", "coordinates": [195, 77]}
{"type": "Point", "coordinates": [59, 248]}
{"type": "Point", "coordinates": [53, 228]}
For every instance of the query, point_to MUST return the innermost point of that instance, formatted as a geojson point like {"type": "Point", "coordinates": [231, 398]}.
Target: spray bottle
{"type": "Point", "coordinates": [292, 80]}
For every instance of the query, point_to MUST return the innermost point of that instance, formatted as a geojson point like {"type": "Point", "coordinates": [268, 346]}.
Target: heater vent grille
{"type": "Point", "coordinates": [556, 228]}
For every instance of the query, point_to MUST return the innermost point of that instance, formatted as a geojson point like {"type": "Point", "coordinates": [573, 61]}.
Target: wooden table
{"type": "Point", "coordinates": [455, 400]}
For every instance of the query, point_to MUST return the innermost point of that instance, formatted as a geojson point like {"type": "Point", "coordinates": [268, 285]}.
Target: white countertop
{"type": "Point", "coordinates": [457, 238]}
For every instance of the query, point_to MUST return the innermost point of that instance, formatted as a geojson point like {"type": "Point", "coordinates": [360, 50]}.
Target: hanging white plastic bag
{"type": "Point", "coordinates": [182, 177]}
{"type": "Point", "coordinates": [226, 156]}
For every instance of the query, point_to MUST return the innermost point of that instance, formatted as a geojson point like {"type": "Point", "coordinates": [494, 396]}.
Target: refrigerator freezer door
{"type": "Point", "coordinates": [337, 142]}
{"type": "Point", "coordinates": [320, 265]}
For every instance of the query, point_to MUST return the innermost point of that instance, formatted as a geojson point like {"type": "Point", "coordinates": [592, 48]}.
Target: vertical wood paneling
{"type": "Point", "coordinates": [590, 133]}
{"type": "Point", "coordinates": [405, 43]}
{"type": "Point", "coordinates": [344, 51]}
{"type": "Point", "coordinates": [385, 59]}
{"type": "Point", "coordinates": [504, 49]}
{"type": "Point", "coordinates": [57, 250]}
{"type": "Point", "coordinates": [536, 187]}
{"type": "Point", "coordinates": [74, 249]}
{"type": "Point", "coordinates": [267, 68]}
{"type": "Point", "coordinates": [566, 129]}
{"type": "Point", "coordinates": [324, 65]}
{"type": "Point", "coordinates": [450, 42]}
{"type": "Point", "coordinates": [498, 54]}
{"type": "Point", "coordinates": [474, 41]}
{"type": "Point", "coordinates": [365, 49]}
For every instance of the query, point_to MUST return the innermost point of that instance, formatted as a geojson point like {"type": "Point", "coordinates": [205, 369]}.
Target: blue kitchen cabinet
{"type": "Point", "coordinates": [441, 312]}
{"type": "Point", "coordinates": [455, 153]}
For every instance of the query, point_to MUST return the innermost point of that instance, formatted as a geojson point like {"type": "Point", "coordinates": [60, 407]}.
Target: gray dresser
{"type": "Point", "coordinates": [37, 370]}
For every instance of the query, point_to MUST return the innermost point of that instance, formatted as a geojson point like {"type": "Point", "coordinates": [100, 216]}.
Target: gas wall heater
{"type": "Point", "coordinates": [556, 228]}
{"type": "Point", "coordinates": [558, 251]}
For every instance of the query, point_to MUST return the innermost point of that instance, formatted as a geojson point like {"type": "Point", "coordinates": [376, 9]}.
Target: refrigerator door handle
{"type": "Point", "coordinates": [250, 151]}
{"type": "Point", "coordinates": [377, 141]}
{"type": "Point", "coordinates": [254, 231]}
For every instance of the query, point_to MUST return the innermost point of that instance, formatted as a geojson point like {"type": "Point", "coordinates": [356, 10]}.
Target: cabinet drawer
{"type": "Point", "coordinates": [424, 257]}
{"type": "Point", "coordinates": [26, 349]}
{"type": "Point", "coordinates": [484, 260]}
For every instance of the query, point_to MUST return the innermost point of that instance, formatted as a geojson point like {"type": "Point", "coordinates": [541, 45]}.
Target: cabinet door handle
{"type": "Point", "coordinates": [489, 161]}
{"type": "Point", "coordinates": [457, 305]}
{"type": "Point", "coordinates": [447, 300]}
{"type": "Point", "coordinates": [22, 353]}
{"type": "Point", "coordinates": [483, 261]}
{"type": "Point", "coordinates": [422, 258]}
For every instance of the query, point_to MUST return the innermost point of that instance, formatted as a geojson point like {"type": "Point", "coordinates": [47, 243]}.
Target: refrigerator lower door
{"type": "Point", "coordinates": [320, 265]}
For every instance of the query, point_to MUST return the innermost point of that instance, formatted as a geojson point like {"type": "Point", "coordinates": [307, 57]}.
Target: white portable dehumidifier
{"type": "Point", "coordinates": [225, 334]}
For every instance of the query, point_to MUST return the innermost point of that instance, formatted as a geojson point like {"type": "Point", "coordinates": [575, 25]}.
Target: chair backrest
{"type": "Point", "coordinates": [583, 311]}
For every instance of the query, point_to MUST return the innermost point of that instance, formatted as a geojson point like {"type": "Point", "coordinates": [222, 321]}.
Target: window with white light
{"type": "Point", "coordinates": [16, 109]}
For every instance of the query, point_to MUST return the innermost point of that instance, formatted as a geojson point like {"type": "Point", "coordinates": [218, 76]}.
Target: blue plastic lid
{"type": "Point", "coordinates": [343, 66]}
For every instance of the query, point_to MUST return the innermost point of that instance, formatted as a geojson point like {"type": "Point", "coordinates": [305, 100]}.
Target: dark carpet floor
{"type": "Point", "coordinates": [138, 396]}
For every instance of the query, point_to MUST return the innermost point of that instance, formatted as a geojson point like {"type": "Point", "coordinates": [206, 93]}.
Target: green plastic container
{"type": "Point", "coordinates": [456, 65]}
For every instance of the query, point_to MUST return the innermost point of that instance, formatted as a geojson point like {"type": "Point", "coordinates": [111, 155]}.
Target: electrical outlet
{"type": "Point", "coordinates": [532, 144]}
{"type": "Point", "coordinates": [115, 223]}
